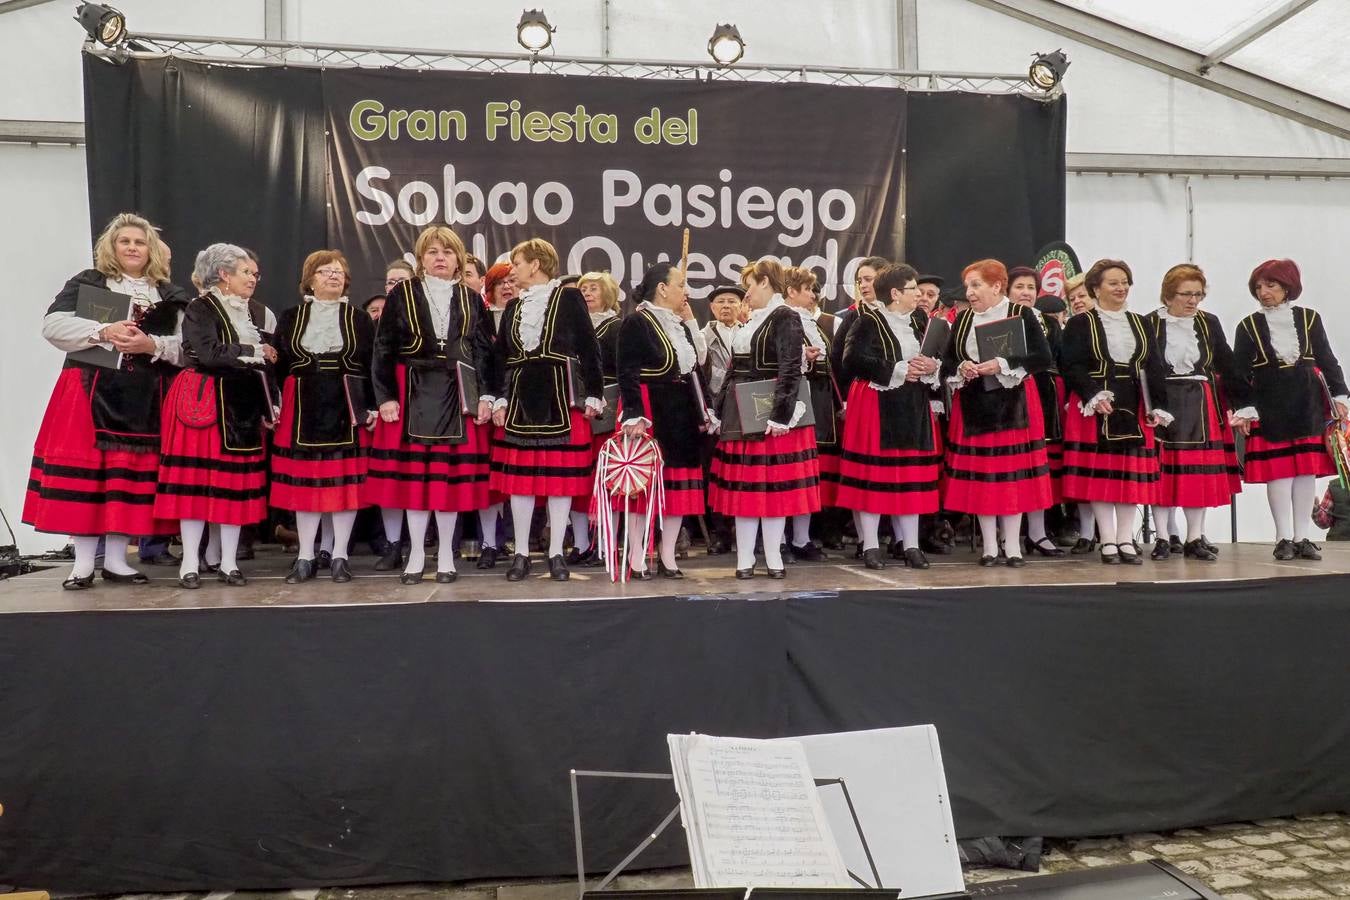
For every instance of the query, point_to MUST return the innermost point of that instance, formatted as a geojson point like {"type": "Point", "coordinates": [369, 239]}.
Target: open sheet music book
{"type": "Point", "coordinates": [752, 815]}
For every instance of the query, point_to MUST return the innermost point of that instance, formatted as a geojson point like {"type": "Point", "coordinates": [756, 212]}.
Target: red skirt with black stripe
{"type": "Point", "coordinates": [1200, 475]}
{"type": "Point", "coordinates": [198, 479]}
{"type": "Point", "coordinates": [76, 488]}
{"type": "Point", "coordinates": [1121, 472]}
{"type": "Point", "coordinates": [830, 457]}
{"type": "Point", "coordinates": [563, 470]}
{"type": "Point", "coordinates": [1000, 473]}
{"type": "Point", "coordinates": [1054, 447]}
{"type": "Point", "coordinates": [310, 481]}
{"type": "Point", "coordinates": [876, 480]}
{"type": "Point", "coordinates": [582, 502]}
{"type": "Point", "coordinates": [683, 484]}
{"type": "Point", "coordinates": [1268, 461]}
{"type": "Point", "coordinates": [436, 477]}
{"type": "Point", "coordinates": [772, 477]}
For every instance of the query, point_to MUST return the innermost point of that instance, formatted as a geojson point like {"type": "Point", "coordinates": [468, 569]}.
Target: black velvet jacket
{"type": "Point", "coordinates": [535, 382]}
{"type": "Point", "coordinates": [775, 352]}
{"type": "Point", "coordinates": [607, 336]}
{"type": "Point", "coordinates": [1185, 396]}
{"type": "Point", "coordinates": [647, 358]}
{"type": "Point", "coordinates": [212, 347]}
{"type": "Point", "coordinates": [982, 411]}
{"type": "Point", "coordinates": [1288, 397]}
{"type": "Point", "coordinates": [126, 403]}
{"type": "Point", "coordinates": [826, 395]}
{"type": "Point", "coordinates": [406, 336]}
{"type": "Point", "coordinates": [1046, 379]}
{"type": "Point", "coordinates": [1089, 369]}
{"type": "Point", "coordinates": [838, 367]}
{"type": "Point", "coordinates": [871, 355]}
{"type": "Point", "coordinates": [329, 388]}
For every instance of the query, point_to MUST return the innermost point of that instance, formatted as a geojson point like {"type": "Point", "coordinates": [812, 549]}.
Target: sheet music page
{"type": "Point", "coordinates": [752, 815]}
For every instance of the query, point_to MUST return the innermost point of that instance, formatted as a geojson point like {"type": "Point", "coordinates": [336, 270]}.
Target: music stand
{"type": "Point", "coordinates": [656, 832]}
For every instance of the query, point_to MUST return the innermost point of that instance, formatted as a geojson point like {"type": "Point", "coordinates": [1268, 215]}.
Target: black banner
{"type": "Point", "coordinates": [239, 154]}
{"type": "Point", "coordinates": [611, 170]}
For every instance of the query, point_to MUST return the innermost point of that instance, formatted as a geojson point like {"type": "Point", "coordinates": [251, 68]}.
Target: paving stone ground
{"type": "Point", "coordinates": [1298, 858]}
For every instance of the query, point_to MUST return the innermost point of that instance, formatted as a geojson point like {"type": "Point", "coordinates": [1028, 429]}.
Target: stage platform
{"type": "Point", "coordinates": [706, 575]}
{"type": "Point", "coordinates": [155, 739]}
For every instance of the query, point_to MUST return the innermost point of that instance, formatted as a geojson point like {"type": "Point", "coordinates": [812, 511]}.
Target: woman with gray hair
{"type": "Point", "coordinates": [214, 463]}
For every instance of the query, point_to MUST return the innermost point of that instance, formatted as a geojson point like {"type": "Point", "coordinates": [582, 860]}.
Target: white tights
{"type": "Point", "coordinates": [337, 532]}
{"type": "Point", "coordinates": [581, 530]}
{"type": "Point", "coordinates": [1114, 521]}
{"type": "Point", "coordinates": [418, 521]}
{"type": "Point", "coordinates": [522, 510]}
{"type": "Point", "coordinates": [487, 523]}
{"type": "Point", "coordinates": [771, 528]}
{"type": "Point", "coordinates": [1291, 503]}
{"type": "Point", "coordinates": [637, 541]}
{"type": "Point", "coordinates": [192, 531]}
{"type": "Point", "coordinates": [904, 527]}
{"type": "Point", "coordinates": [1011, 525]}
{"type": "Point", "coordinates": [1164, 522]}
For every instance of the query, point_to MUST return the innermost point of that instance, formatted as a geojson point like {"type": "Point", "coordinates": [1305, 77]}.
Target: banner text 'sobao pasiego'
{"type": "Point", "coordinates": [611, 170]}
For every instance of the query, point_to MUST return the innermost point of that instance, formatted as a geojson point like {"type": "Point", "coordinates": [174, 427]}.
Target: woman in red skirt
{"type": "Point", "coordinates": [1196, 453]}
{"type": "Point", "coordinates": [548, 385]}
{"type": "Point", "coordinates": [1024, 288]}
{"type": "Point", "coordinates": [429, 453]}
{"type": "Point", "coordinates": [96, 459]}
{"type": "Point", "coordinates": [892, 454]}
{"type": "Point", "coordinates": [214, 463]}
{"type": "Point", "coordinates": [818, 330]}
{"type": "Point", "coordinates": [1280, 350]}
{"type": "Point", "coordinates": [602, 302]}
{"type": "Point", "coordinates": [996, 462]}
{"type": "Point", "coordinates": [324, 347]}
{"type": "Point", "coordinates": [660, 349]}
{"type": "Point", "coordinates": [1110, 452]}
{"type": "Point", "coordinates": [760, 480]}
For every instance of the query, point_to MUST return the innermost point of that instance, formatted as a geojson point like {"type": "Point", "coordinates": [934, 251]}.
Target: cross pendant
{"type": "Point", "coordinates": [440, 345]}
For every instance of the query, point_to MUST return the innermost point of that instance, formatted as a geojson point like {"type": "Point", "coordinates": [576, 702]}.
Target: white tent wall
{"type": "Point", "coordinates": [1116, 107]}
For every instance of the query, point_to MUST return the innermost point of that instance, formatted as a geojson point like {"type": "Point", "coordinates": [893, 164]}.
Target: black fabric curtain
{"type": "Point", "coordinates": [210, 154]}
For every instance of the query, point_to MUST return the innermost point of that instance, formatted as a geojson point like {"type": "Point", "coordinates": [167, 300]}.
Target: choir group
{"type": "Point", "coordinates": [443, 397]}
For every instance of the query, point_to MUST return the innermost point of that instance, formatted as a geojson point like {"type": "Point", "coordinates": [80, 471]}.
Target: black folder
{"type": "Point", "coordinates": [102, 306]}
{"type": "Point", "coordinates": [1002, 337]}
{"type": "Point", "coordinates": [752, 404]}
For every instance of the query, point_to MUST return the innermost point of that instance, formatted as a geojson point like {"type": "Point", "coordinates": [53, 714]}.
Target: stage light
{"type": "Point", "coordinates": [1047, 70]}
{"type": "Point", "coordinates": [533, 32]}
{"type": "Point", "coordinates": [102, 23]}
{"type": "Point", "coordinates": [726, 46]}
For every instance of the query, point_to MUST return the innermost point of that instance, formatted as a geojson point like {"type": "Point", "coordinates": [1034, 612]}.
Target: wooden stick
{"type": "Point", "coordinates": [684, 253]}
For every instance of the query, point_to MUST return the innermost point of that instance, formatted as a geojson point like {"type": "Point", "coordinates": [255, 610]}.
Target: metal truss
{"type": "Point", "coordinates": [240, 52]}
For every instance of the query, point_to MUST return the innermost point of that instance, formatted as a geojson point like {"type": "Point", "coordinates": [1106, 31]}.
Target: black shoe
{"type": "Point", "coordinates": [915, 559]}
{"type": "Point", "coordinates": [777, 573]}
{"type": "Point", "coordinates": [1204, 542]}
{"type": "Point", "coordinates": [635, 575]}
{"type": "Point", "coordinates": [897, 549]}
{"type": "Point", "coordinates": [1285, 550]}
{"type": "Point", "coordinates": [325, 560]}
{"type": "Point", "coordinates": [1196, 550]}
{"type": "Point", "coordinates": [233, 579]}
{"type": "Point", "coordinates": [161, 559]}
{"type": "Point", "coordinates": [668, 573]}
{"type": "Point", "coordinates": [1131, 558]}
{"type": "Point", "coordinates": [1306, 549]}
{"type": "Point", "coordinates": [487, 558]}
{"type": "Point", "coordinates": [301, 570]}
{"type": "Point", "coordinates": [211, 568]}
{"type": "Point", "coordinates": [84, 582]}
{"type": "Point", "coordinates": [447, 577]}
{"type": "Point", "coordinates": [140, 577]}
{"type": "Point", "coordinates": [1161, 550]}
{"type": "Point", "coordinates": [557, 568]}
{"type": "Point", "coordinates": [578, 558]}
{"type": "Point", "coordinates": [1174, 544]}
{"type": "Point", "coordinates": [743, 574]}
{"type": "Point", "coordinates": [930, 544]}
{"type": "Point", "coordinates": [1045, 547]}
{"type": "Point", "coordinates": [341, 571]}
{"type": "Point", "coordinates": [245, 553]}
{"type": "Point", "coordinates": [1016, 562]}
{"type": "Point", "coordinates": [809, 553]}
{"type": "Point", "coordinates": [391, 559]}
{"type": "Point", "coordinates": [988, 561]}
{"type": "Point", "coordinates": [858, 551]}
{"type": "Point", "coordinates": [411, 577]}
{"type": "Point", "coordinates": [872, 559]}
{"type": "Point", "coordinates": [833, 542]}
{"type": "Point", "coordinates": [191, 581]}
{"type": "Point", "coordinates": [1110, 559]}
{"type": "Point", "coordinates": [1083, 545]}
{"type": "Point", "coordinates": [717, 547]}
{"type": "Point", "coordinates": [520, 567]}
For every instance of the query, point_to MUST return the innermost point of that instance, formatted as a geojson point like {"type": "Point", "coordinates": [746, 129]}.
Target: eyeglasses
{"type": "Point", "coordinates": [334, 272]}
{"type": "Point", "coordinates": [1191, 295]}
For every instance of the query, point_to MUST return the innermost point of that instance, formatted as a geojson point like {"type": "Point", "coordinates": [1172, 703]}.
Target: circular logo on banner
{"type": "Point", "coordinates": [1056, 263]}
